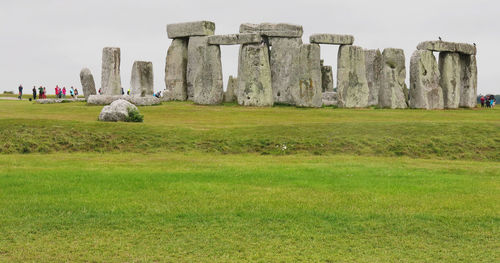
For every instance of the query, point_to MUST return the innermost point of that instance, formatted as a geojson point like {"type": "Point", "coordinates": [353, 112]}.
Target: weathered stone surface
{"type": "Point", "coordinates": [142, 79]}
{"type": "Point", "coordinates": [254, 76]}
{"type": "Point", "coordinates": [232, 87]}
{"type": "Point", "coordinates": [111, 83]}
{"type": "Point", "coordinates": [425, 91]}
{"type": "Point", "coordinates": [326, 79]}
{"type": "Point", "coordinates": [108, 99]}
{"type": "Point", "coordinates": [283, 52]}
{"type": "Point", "coordinates": [449, 69]}
{"type": "Point", "coordinates": [88, 83]}
{"type": "Point", "coordinates": [468, 94]}
{"type": "Point", "coordinates": [373, 65]}
{"type": "Point", "coordinates": [352, 88]}
{"type": "Point", "coordinates": [53, 101]}
{"type": "Point", "coordinates": [175, 70]}
{"type": "Point", "coordinates": [204, 72]}
{"type": "Point", "coordinates": [235, 39]}
{"type": "Point", "coordinates": [393, 86]}
{"type": "Point", "coordinates": [331, 39]}
{"type": "Point", "coordinates": [330, 99]}
{"type": "Point", "coordinates": [273, 30]}
{"type": "Point", "coordinates": [189, 29]}
{"type": "Point", "coordinates": [117, 111]}
{"type": "Point", "coordinates": [306, 91]}
{"type": "Point", "coordinates": [443, 46]}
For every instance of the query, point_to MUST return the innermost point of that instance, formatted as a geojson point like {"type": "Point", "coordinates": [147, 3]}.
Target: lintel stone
{"type": "Point", "coordinates": [332, 39]}
{"type": "Point", "coordinates": [235, 39]}
{"type": "Point", "coordinates": [443, 46]}
{"type": "Point", "coordinates": [273, 30]}
{"type": "Point", "coordinates": [189, 29]}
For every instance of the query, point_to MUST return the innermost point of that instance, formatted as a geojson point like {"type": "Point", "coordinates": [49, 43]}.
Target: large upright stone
{"type": "Point", "coordinates": [425, 91]}
{"type": "Point", "coordinates": [393, 86]}
{"type": "Point", "coordinates": [273, 30]}
{"type": "Point", "coordinates": [373, 62]}
{"type": "Point", "coordinates": [142, 80]}
{"type": "Point", "coordinates": [307, 77]}
{"type": "Point", "coordinates": [352, 87]}
{"type": "Point", "coordinates": [232, 87]}
{"type": "Point", "coordinates": [283, 52]}
{"type": "Point", "coordinates": [443, 46]}
{"type": "Point", "coordinates": [190, 29]}
{"type": "Point", "coordinates": [468, 94]}
{"type": "Point", "coordinates": [175, 69]}
{"type": "Point", "coordinates": [254, 76]}
{"type": "Point", "coordinates": [111, 83]}
{"type": "Point", "coordinates": [204, 72]}
{"type": "Point", "coordinates": [331, 39]}
{"type": "Point", "coordinates": [326, 79]}
{"type": "Point", "coordinates": [450, 68]}
{"type": "Point", "coordinates": [88, 83]}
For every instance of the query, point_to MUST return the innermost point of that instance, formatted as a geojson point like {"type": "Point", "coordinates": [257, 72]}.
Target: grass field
{"type": "Point", "coordinates": [227, 183]}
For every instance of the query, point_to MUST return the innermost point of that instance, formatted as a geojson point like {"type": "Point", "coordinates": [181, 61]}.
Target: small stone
{"type": "Point", "coordinates": [331, 39]}
{"type": "Point", "coordinates": [425, 91]}
{"type": "Point", "coordinates": [117, 111]}
{"type": "Point", "coordinates": [393, 86]}
{"type": "Point", "coordinates": [450, 71]}
{"type": "Point", "coordinates": [190, 29]}
{"type": "Point", "coordinates": [326, 79]}
{"type": "Point", "coordinates": [232, 86]}
{"type": "Point", "coordinates": [142, 80]}
{"type": "Point", "coordinates": [373, 62]}
{"type": "Point", "coordinates": [235, 39]}
{"type": "Point", "coordinates": [468, 89]}
{"type": "Point", "coordinates": [273, 30]}
{"type": "Point", "coordinates": [88, 83]}
{"type": "Point", "coordinates": [306, 91]}
{"type": "Point", "coordinates": [283, 53]}
{"type": "Point", "coordinates": [175, 70]}
{"type": "Point", "coordinates": [254, 76]}
{"type": "Point", "coordinates": [443, 46]}
{"type": "Point", "coordinates": [352, 88]}
{"type": "Point", "coordinates": [111, 83]}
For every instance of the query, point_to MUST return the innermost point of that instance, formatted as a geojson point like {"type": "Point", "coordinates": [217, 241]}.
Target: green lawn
{"type": "Point", "coordinates": [217, 184]}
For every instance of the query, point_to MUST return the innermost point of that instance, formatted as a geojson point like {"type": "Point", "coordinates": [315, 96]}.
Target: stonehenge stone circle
{"type": "Point", "coordinates": [204, 72]}
{"type": "Point", "coordinates": [283, 55]}
{"type": "Point", "coordinates": [235, 39]}
{"type": "Point", "coordinates": [442, 46]}
{"type": "Point", "coordinates": [331, 39]}
{"type": "Point", "coordinates": [307, 77]}
{"type": "Point", "coordinates": [232, 87]}
{"type": "Point", "coordinates": [373, 63]}
{"type": "Point", "coordinates": [326, 79]}
{"type": "Point", "coordinates": [254, 76]}
{"type": "Point", "coordinates": [142, 80]}
{"type": "Point", "coordinates": [88, 83]}
{"type": "Point", "coordinates": [468, 94]}
{"type": "Point", "coordinates": [190, 29]}
{"type": "Point", "coordinates": [450, 70]}
{"type": "Point", "coordinates": [425, 91]}
{"type": "Point", "coordinates": [117, 111]}
{"type": "Point", "coordinates": [110, 77]}
{"type": "Point", "coordinates": [175, 69]}
{"type": "Point", "coordinates": [393, 86]}
{"type": "Point", "coordinates": [352, 88]}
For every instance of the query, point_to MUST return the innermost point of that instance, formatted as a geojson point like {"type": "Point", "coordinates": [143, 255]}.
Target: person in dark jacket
{"type": "Point", "coordinates": [34, 93]}
{"type": "Point", "coordinates": [20, 92]}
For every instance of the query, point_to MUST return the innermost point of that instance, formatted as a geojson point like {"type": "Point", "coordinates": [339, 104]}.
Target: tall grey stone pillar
{"type": "Point", "coordinates": [468, 89]}
{"type": "Point", "coordinates": [425, 91]}
{"type": "Point", "coordinates": [306, 91]}
{"type": "Point", "coordinates": [175, 69]}
{"type": "Point", "coordinates": [88, 83]}
{"type": "Point", "coordinates": [110, 78]}
{"type": "Point", "coordinates": [326, 79]}
{"type": "Point", "coordinates": [142, 80]}
{"type": "Point", "coordinates": [450, 81]}
{"type": "Point", "coordinates": [393, 86]}
{"type": "Point", "coordinates": [373, 62]}
{"type": "Point", "coordinates": [283, 53]}
{"type": "Point", "coordinates": [232, 87]}
{"type": "Point", "coordinates": [352, 88]}
{"type": "Point", "coordinates": [254, 76]}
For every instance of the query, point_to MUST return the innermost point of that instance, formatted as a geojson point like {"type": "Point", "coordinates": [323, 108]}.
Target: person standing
{"type": "Point", "coordinates": [20, 92]}
{"type": "Point", "coordinates": [72, 92]}
{"type": "Point", "coordinates": [482, 101]}
{"type": "Point", "coordinates": [34, 92]}
{"type": "Point", "coordinates": [76, 93]}
{"type": "Point", "coordinates": [64, 92]}
{"type": "Point", "coordinates": [40, 93]}
{"type": "Point", "coordinates": [44, 93]}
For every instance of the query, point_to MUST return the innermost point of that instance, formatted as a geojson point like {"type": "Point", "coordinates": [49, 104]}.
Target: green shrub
{"type": "Point", "coordinates": [134, 116]}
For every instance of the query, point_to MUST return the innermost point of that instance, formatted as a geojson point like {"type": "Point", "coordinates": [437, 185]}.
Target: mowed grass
{"type": "Point", "coordinates": [194, 207]}
{"type": "Point", "coordinates": [27, 127]}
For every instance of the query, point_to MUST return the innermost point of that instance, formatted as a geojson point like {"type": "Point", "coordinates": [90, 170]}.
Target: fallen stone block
{"type": "Point", "coordinates": [425, 91]}
{"type": "Point", "coordinates": [331, 39]}
{"type": "Point", "coordinates": [53, 101]}
{"type": "Point", "coordinates": [111, 83]}
{"type": "Point", "coordinates": [393, 86]}
{"type": "Point", "coordinates": [373, 62]}
{"type": "Point", "coordinates": [142, 80]}
{"type": "Point", "coordinates": [116, 111]}
{"type": "Point", "coordinates": [175, 70]}
{"type": "Point", "coordinates": [329, 98]}
{"type": "Point", "coordinates": [254, 76]}
{"type": "Point", "coordinates": [88, 83]}
{"type": "Point", "coordinates": [443, 46]}
{"type": "Point", "coordinates": [352, 88]}
{"type": "Point", "coordinates": [235, 39]}
{"type": "Point", "coordinates": [190, 29]}
{"type": "Point", "coordinates": [108, 99]}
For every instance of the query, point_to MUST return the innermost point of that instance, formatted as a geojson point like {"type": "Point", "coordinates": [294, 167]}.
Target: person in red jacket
{"type": "Point", "coordinates": [482, 101]}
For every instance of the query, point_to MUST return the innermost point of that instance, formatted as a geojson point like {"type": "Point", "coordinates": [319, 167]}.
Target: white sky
{"type": "Point", "coordinates": [48, 42]}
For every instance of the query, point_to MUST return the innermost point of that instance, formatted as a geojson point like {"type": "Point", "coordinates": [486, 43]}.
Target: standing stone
{"type": "Point", "coordinates": [204, 72]}
{"type": "Point", "coordinates": [88, 83]}
{"type": "Point", "coordinates": [468, 94]}
{"type": "Point", "coordinates": [283, 52]}
{"type": "Point", "coordinates": [326, 79]}
{"type": "Point", "coordinates": [373, 62]}
{"type": "Point", "coordinates": [450, 68]}
{"type": "Point", "coordinates": [232, 86]}
{"type": "Point", "coordinates": [254, 76]}
{"type": "Point", "coordinates": [393, 86]}
{"type": "Point", "coordinates": [142, 80]}
{"type": "Point", "coordinates": [425, 92]}
{"type": "Point", "coordinates": [175, 69]}
{"type": "Point", "coordinates": [111, 83]}
{"type": "Point", "coordinates": [306, 91]}
{"type": "Point", "coordinates": [352, 87]}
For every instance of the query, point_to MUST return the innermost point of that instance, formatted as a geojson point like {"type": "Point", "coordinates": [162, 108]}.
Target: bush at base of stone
{"type": "Point", "coordinates": [134, 116]}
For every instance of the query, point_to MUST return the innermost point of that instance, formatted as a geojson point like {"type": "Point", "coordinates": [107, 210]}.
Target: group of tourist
{"type": "Point", "coordinates": [61, 93]}
{"type": "Point", "coordinates": [488, 101]}
{"type": "Point", "coordinates": [42, 92]}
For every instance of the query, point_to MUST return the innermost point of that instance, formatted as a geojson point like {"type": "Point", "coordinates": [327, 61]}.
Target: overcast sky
{"type": "Point", "coordinates": [48, 42]}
